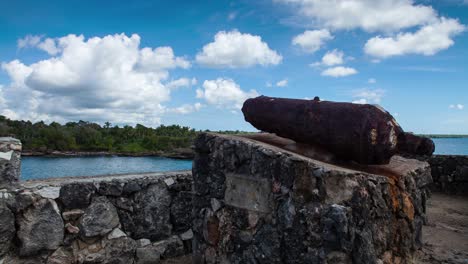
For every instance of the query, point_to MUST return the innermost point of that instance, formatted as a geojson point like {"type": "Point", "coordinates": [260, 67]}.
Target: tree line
{"type": "Point", "coordinates": [88, 136]}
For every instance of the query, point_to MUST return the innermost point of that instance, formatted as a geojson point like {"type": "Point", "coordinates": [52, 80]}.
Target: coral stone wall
{"type": "Point", "coordinates": [139, 219]}
{"type": "Point", "coordinates": [10, 161]}
{"type": "Point", "coordinates": [255, 203]}
{"type": "Point", "coordinates": [450, 173]}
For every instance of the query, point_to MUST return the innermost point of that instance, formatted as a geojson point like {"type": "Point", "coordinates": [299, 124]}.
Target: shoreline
{"type": "Point", "coordinates": [185, 154]}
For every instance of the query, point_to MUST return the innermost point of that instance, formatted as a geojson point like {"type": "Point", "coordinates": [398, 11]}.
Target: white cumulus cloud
{"type": "Point", "coordinates": [312, 40]}
{"type": "Point", "coordinates": [334, 57]}
{"type": "Point", "coordinates": [368, 15]}
{"type": "Point", "coordinates": [224, 93]}
{"type": "Point", "coordinates": [368, 96]}
{"type": "Point", "coordinates": [427, 40]}
{"type": "Point", "coordinates": [185, 109]}
{"type": "Point", "coordinates": [237, 50]}
{"type": "Point", "coordinates": [339, 71]}
{"type": "Point", "coordinates": [98, 79]}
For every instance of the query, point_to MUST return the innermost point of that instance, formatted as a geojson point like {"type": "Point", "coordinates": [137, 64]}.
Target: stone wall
{"type": "Point", "coordinates": [10, 162]}
{"type": "Point", "coordinates": [449, 173]}
{"type": "Point", "coordinates": [256, 203]}
{"type": "Point", "coordinates": [139, 219]}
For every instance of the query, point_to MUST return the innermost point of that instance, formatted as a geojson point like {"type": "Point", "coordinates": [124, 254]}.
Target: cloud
{"type": "Point", "coordinates": [224, 93]}
{"type": "Point", "coordinates": [428, 40]}
{"type": "Point", "coordinates": [98, 79]}
{"type": "Point", "coordinates": [282, 83]}
{"type": "Point", "coordinates": [372, 81]}
{"type": "Point", "coordinates": [237, 50]}
{"type": "Point", "coordinates": [185, 109]}
{"type": "Point", "coordinates": [368, 15]}
{"type": "Point", "coordinates": [312, 40]}
{"type": "Point", "coordinates": [334, 57]}
{"type": "Point", "coordinates": [368, 96]}
{"type": "Point", "coordinates": [339, 71]}
{"type": "Point", "coordinates": [456, 106]}
{"type": "Point", "coordinates": [182, 82]}
{"type": "Point", "coordinates": [28, 41]}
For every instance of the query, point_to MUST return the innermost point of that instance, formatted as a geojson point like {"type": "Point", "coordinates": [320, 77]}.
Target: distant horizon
{"type": "Point", "coordinates": [205, 129]}
{"type": "Point", "coordinates": [194, 64]}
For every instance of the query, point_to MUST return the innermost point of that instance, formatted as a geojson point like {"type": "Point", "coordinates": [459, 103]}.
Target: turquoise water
{"type": "Point", "coordinates": [451, 146]}
{"type": "Point", "coordinates": [44, 167]}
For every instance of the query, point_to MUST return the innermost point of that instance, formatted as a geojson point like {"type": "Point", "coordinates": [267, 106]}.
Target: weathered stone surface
{"type": "Point", "coordinates": [10, 162]}
{"type": "Point", "coordinates": [99, 218]}
{"type": "Point", "coordinates": [150, 216]}
{"type": "Point", "coordinates": [72, 215]}
{"type": "Point", "coordinates": [181, 207]}
{"type": "Point", "coordinates": [49, 192]}
{"type": "Point", "coordinates": [92, 232]}
{"type": "Point", "coordinates": [148, 255]}
{"type": "Point", "coordinates": [116, 233]}
{"type": "Point", "coordinates": [76, 195]}
{"type": "Point", "coordinates": [449, 173]}
{"type": "Point", "coordinates": [277, 206]}
{"type": "Point", "coordinates": [61, 256]}
{"type": "Point", "coordinates": [170, 248]}
{"type": "Point", "coordinates": [40, 227]}
{"type": "Point", "coordinates": [112, 188]}
{"type": "Point", "coordinates": [7, 228]}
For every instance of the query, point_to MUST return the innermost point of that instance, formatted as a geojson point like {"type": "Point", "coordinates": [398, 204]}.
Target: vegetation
{"type": "Point", "coordinates": [444, 136]}
{"type": "Point", "coordinates": [86, 136]}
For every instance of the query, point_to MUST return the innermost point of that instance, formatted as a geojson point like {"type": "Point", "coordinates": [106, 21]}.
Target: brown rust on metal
{"type": "Point", "coordinates": [364, 133]}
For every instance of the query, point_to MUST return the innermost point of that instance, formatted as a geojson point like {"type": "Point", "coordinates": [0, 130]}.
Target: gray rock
{"type": "Point", "coordinates": [148, 255]}
{"type": "Point", "coordinates": [7, 229]}
{"type": "Point", "coordinates": [151, 214]}
{"type": "Point", "coordinates": [99, 218]}
{"type": "Point", "coordinates": [187, 235]}
{"type": "Point", "coordinates": [112, 188]}
{"type": "Point", "coordinates": [76, 195]}
{"type": "Point", "coordinates": [40, 227]}
{"type": "Point", "coordinates": [143, 242]}
{"type": "Point", "coordinates": [50, 192]}
{"type": "Point", "coordinates": [119, 251]}
{"type": "Point", "coordinates": [116, 233]}
{"type": "Point", "coordinates": [170, 248]}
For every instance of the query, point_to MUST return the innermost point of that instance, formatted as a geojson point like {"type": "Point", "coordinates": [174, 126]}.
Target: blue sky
{"type": "Point", "coordinates": [194, 62]}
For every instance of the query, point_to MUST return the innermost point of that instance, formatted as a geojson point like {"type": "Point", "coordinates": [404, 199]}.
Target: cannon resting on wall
{"type": "Point", "coordinates": [363, 133]}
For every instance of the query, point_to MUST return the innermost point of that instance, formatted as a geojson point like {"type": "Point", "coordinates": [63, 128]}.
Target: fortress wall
{"type": "Point", "coordinates": [144, 218]}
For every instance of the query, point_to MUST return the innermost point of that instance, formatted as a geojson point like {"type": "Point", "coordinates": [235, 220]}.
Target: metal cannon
{"type": "Point", "coordinates": [363, 133]}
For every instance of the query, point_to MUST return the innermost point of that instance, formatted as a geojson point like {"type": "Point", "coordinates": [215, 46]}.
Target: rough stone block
{"type": "Point", "coordinates": [40, 227]}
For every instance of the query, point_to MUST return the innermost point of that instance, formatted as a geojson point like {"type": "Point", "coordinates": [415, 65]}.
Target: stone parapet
{"type": "Point", "coordinates": [259, 203]}
{"type": "Point", "coordinates": [450, 174]}
{"type": "Point", "coordinates": [10, 162]}
{"type": "Point", "coordinates": [143, 218]}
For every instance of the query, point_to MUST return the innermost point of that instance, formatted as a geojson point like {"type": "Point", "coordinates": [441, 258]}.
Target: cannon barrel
{"type": "Point", "coordinates": [363, 133]}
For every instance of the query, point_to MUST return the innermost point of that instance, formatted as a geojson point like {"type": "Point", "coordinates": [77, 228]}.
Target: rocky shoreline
{"type": "Point", "coordinates": [179, 153]}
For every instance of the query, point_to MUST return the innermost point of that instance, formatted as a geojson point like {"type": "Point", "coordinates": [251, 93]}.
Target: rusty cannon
{"type": "Point", "coordinates": [363, 133]}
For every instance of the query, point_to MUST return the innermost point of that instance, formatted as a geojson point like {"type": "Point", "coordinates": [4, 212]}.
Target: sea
{"type": "Point", "coordinates": [52, 167]}
{"type": "Point", "coordinates": [46, 167]}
